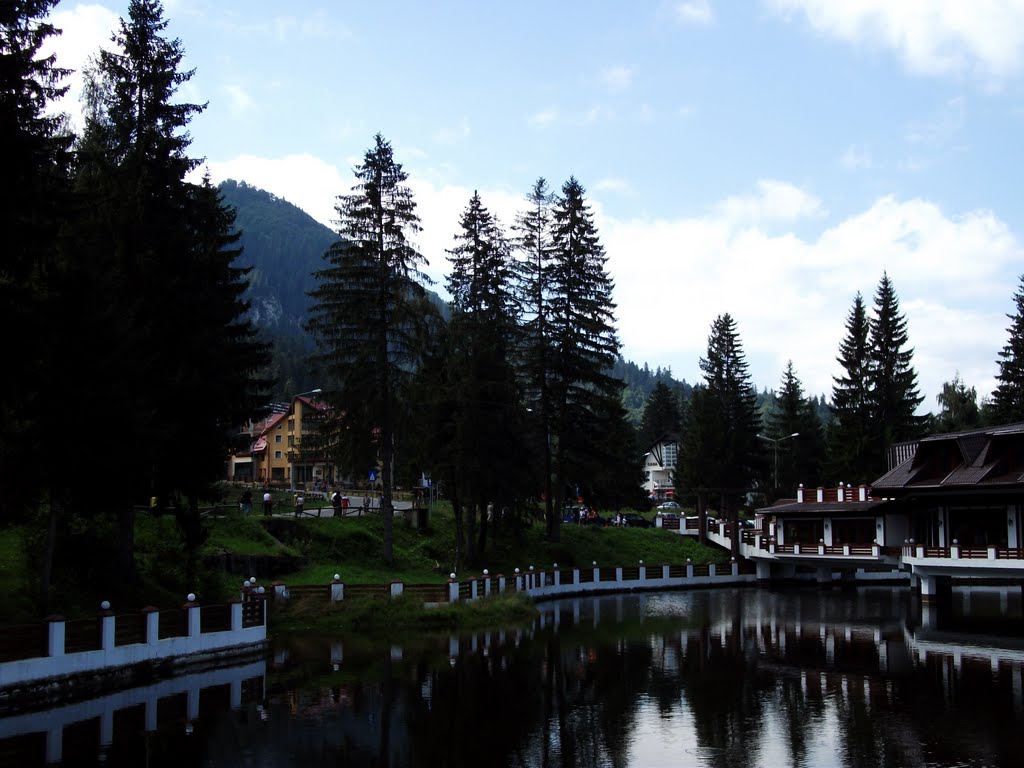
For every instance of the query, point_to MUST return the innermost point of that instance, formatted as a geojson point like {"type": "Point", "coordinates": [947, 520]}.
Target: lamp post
{"type": "Point", "coordinates": [775, 444]}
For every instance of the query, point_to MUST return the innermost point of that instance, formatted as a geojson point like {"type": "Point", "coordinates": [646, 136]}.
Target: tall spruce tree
{"type": "Point", "coordinates": [723, 453]}
{"type": "Point", "coordinates": [487, 417]}
{"type": "Point", "coordinates": [799, 457]}
{"type": "Point", "coordinates": [893, 380]}
{"type": "Point", "coordinates": [169, 330]}
{"type": "Point", "coordinates": [1007, 404]}
{"type": "Point", "coordinates": [34, 203]}
{"type": "Point", "coordinates": [583, 347]}
{"type": "Point", "coordinates": [369, 319]}
{"type": "Point", "coordinates": [727, 379]}
{"type": "Point", "coordinates": [661, 415]}
{"type": "Point", "coordinates": [849, 444]}
{"type": "Point", "coordinates": [533, 242]}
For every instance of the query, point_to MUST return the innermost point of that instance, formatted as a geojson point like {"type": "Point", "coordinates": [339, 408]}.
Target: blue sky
{"type": "Point", "coordinates": [767, 159]}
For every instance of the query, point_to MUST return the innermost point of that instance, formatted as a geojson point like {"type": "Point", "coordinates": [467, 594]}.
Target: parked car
{"type": "Point", "coordinates": [634, 520]}
{"type": "Point", "coordinates": [669, 505]}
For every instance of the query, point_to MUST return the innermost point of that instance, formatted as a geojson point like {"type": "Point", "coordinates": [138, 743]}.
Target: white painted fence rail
{"type": "Point", "coordinates": [246, 627]}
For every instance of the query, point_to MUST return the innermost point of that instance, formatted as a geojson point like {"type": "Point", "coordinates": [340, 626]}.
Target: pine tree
{"type": "Point", "coordinates": [533, 242]}
{"type": "Point", "coordinates": [794, 423]}
{"type": "Point", "coordinates": [370, 318]}
{"type": "Point", "coordinates": [158, 299]}
{"type": "Point", "coordinates": [660, 417]}
{"type": "Point", "coordinates": [849, 432]}
{"type": "Point", "coordinates": [486, 415]}
{"type": "Point", "coordinates": [1007, 404]}
{"type": "Point", "coordinates": [583, 345]}
{"type": "Point", "coordinates": [729, 387]}
{"type": "Point", "coordinates": [893, 380]}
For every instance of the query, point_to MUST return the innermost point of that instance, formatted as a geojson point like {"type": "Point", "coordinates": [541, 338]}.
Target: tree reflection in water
{"type": "Point", "coordinates": [717, 678]}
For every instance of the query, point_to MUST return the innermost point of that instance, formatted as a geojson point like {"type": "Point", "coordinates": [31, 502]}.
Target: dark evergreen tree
{"type": "Point", "coordinates": [721, 455]}
{"type": "Point", "coordinates": [1007, 403]}
{"type": "Point", "coordinates": [849, 433]}
{"type": "Point", "coordinates": [795, 428]}
{"type": "Point", "coordinates": [158, 298]}
{"type": "Point", "coordinates": [728, 383]}
{"type": "Point", "coordinates": [661, 416]}
{"type": "Point", "coordinates": [487, 414]}
{"type": "Point", "coordinates": [534, 243]}
{"type": "Point", "coordinates": [369, 317]}
{"type": "Point", "coordinates": [892, 378]}
{"type": "Point", "coordinates": [583, 346]}
{"type": "Point", "coordinates": [34, 202]}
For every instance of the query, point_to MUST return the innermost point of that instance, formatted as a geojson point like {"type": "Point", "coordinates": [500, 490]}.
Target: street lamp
{"type": "Point", "coordinates": [775, 443]}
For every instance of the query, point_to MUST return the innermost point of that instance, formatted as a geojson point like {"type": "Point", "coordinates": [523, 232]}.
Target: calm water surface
{"type": "Point", "coordinates": [731, 678]}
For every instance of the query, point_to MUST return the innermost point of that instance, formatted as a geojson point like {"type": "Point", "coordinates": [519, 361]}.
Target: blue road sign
{"type": "Point", "coordinates": [373, 475]}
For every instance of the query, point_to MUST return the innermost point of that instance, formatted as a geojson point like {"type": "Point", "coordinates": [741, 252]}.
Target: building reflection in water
{"type": "Point", "coordinates": [710, 678]}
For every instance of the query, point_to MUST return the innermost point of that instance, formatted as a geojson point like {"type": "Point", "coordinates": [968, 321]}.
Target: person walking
{"type": "Point", "coordinates": [336, 503]}
{"type": "Point", "coordinates": [246, 502]}
{"type": "Point", "coordinates": [299, 502]}
{"type": "Point", "coordinates": [268, 503]}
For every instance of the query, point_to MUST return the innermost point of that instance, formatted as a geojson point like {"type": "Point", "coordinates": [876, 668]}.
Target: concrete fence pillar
{"type": "Point", "coordinates": [689, 569]}
{"type": "Point", "coordinates": [107, 622]}
{"type": "Point", "coordinates": [597, 573]}
{"type": "Point", "coordinates": [192, 617]}
{"type": "Point", "coordinates": [453, 590]}
{"type": "Point", "coordinates": [337, 589]}
{"type": "Point", "coordinates": [735, 568]}
{"type": "Point", "coordinates": [55, 636]}
{"type": "Point", "coordinates": [236, 616]}
{"type": "Point", "coordinates": [712, 570]}
{"type": "Point", "coordinates": [152, 615]}
{"type": "Point", "coordinates": [397, 588]}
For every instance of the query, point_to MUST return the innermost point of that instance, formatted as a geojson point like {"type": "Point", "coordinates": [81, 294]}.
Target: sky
{"type": "Point", "coordinates": [764, 158]}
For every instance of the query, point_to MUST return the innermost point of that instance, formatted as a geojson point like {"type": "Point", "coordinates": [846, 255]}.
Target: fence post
{"type": "Point", "coordinates": [193, 616]}
{"type": "Point", "coordinates": [558, 576]}
{"type": "Point", "coordinates": [55, 636]}
{"type": "Point", "coordinates": [472, 588]}
{"type": "Point", "coordinates": [453, 589]}
{"type": "Point", "coordinates": [712, 570]}
{"type": "Point", "coordinates": [337, 589]}
{"type": "Point", "coordinates": [665, 571]}
{"type": "Point", "coordinates": [236, 615]}
{"type": "Point", "coordinates": [487, 582]}
{"type": "Point", "coordinates": [280, 590]}
{"type": "Point", "coordinates": [107, 620]}
{"type": "Point", "coordinates": [689, 568]}
{"type": "Point", "coordinates": [735, 567]}
{"type": "Point", "coordinates": [397, 588]}
{"type": "Point", "coordinates": [152, 615]}
{"type": "Point", "coordinates": [501, 583]}
{"type": "Point", "coordinates": [597, 572]}
{"type": "Point", "coordinates": [643, 571]}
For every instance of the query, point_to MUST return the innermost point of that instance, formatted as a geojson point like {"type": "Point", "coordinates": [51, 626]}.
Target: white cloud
{"type": "Point", "coordinates": [694, 12]}
{"type": "Point", "coordinates": [617, 78]}
{"type": "Point", "coordinates": [941, 128]}
{"type": "Point", "coordinates": [955, 277]}
{"type": "Point", "coordinates": [85, 29]}
{"type": "Point", "coordinates": [857, 158]}
{"type": "Point", "coordinates": [933, 37]}
{"type": "Point", "coordinates": [303, 180]}
{"type": "Point", "coordinates": [239, 99]}
{"type": "Point", "coordinates": [544, 117]}
{"type": "Point", "coordinates": [775, 201]}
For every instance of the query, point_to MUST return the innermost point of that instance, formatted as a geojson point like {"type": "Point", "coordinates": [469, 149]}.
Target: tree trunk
{"type": "Point", "coordinates": [471, 535]}
{"type": "Point", "coordinates": [457, 511]}
{"type": "Point", "coordinates": [485, 513]}
{"type": "Point", "coordinates": [702, 518]}
{"type": "Point", "coordinates": [49, 548]}
{"type": "Point", "coordinates": [126, 545]}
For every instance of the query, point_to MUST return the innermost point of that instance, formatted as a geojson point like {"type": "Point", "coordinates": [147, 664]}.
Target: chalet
{"type": "Point", "coordinates": [659, 468]}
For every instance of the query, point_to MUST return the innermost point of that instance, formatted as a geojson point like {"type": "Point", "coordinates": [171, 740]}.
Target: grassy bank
{"type": "Point", "coordinates": [311, 551]}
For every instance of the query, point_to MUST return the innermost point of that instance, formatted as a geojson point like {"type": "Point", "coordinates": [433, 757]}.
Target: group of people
{"type": "Point", "coordinates": [339, 502]}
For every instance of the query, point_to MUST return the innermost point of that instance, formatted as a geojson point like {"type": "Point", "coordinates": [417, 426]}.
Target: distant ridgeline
{"type": "Point", "coordinates": [285, 246]}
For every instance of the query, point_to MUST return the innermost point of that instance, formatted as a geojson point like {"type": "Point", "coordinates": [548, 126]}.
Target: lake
{"type": "Point", "coordinates": [727, 677]}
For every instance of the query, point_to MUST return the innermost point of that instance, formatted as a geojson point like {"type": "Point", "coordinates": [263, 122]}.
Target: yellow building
{"type": "Point", "coordinates": [278, 455]}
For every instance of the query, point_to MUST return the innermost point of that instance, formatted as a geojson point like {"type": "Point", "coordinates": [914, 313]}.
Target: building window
{"type": "Point", "coordinates": [291, 425]}
{"type": "Point", "coordinates": [277, 438]}
{"type": "Point", "coordinates": [669, 454]}
{"type": "Point", "coordinates": [291, 440]}
{"type": "Point", "coordinates": [277, 454]}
